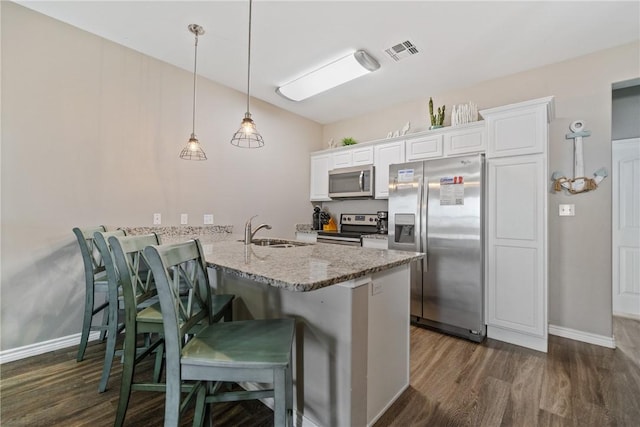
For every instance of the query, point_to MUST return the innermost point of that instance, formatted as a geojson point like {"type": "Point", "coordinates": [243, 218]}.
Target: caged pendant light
{"type": "Point", "coordinates": [193, 150]}
{"type": "Point", "coordinates": [248, 136]}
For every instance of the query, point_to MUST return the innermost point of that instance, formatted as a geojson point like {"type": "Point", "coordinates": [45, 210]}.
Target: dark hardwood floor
{"type": "Point", "coordinates": [453, 383]}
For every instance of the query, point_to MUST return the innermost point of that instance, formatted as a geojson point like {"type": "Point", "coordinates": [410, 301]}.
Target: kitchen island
{"type": "Point", "coordinates": [351, 356]}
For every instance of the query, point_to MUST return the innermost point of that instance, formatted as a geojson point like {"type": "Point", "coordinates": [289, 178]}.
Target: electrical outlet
{"type": "Point", "coordinates": [157, 219]}
{"type": "Point", "coordinates": [567, 210]}
{"type": "Point", "coordinates": [376, 288]}
{"type": "Point", "coordinates": [208, 219]}
{"type": "Point", "coordinates": [184, 219]}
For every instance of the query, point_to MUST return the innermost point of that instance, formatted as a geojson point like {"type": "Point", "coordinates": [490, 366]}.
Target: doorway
{"type": "Point", "coordinates": [625, 236]}
{"type": "Point", "coordinates": [626, 227]}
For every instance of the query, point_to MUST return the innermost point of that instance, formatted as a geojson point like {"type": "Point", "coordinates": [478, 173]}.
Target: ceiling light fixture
{"type": "Point", "coordinates": [248, 136]}
{"type": "Point", "coordinates": [328, 76]}
{"type": "Point", "coordinates": [193, 150]}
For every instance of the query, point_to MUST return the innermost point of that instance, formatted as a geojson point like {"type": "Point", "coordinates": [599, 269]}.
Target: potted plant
{"type": "Point", "coordinates": [437, 120]}
{"type": "Point", "coordinates": [348, 141]}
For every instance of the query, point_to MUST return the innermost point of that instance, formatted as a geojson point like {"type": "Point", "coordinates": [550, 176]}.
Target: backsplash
{"type": "Point", "coordinates": [180, 230]}
{"type": "Point", "coordinates": [367, 206]}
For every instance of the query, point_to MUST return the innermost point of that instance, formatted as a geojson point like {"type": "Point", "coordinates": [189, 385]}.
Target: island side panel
{"type": "Point", "coordinates": [328, 389]}
{"type": "Point", "coordinates": [388, 343]}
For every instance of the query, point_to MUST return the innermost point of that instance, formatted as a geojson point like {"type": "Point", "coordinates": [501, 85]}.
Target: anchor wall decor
{"type": "Point", "coordinates": [579, 183]}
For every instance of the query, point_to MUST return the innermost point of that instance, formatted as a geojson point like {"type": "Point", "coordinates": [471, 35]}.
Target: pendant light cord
{"type": "Point", "coordinates": [195, 63]}
{"type": "Point", "coordinates": [249, 58]}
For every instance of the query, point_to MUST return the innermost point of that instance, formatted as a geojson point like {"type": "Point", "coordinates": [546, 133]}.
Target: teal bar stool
{"type": "Point", "coordinates": [113, 292]}
{"type": "Point", "coordinates": [253, 350]}
{"type": "Point", "coordinates": [138, 287]}
{"type": "Point", "coordinates": [95, 279]}
{"type": "Point", "coordinates": [114, 327]}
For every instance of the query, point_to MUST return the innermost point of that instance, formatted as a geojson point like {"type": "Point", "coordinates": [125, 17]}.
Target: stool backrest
{"type": "Point", "coordinates": [101, 243]}
{"type": "Point", "coordinates": [175, 267]}
{"type": "Point", "coordinates": [90, 254]}
{"type": "Point", "coordinates": [134, 274]}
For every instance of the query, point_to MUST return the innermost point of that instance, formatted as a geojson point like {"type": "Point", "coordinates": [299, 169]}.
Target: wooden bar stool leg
{"type": "Point", "coordinates": [112, 334]}
{"type": "Point", "coordinates": [279, 396]}
{"type": "Point", "coordinates": [288, 392]}
{"type": "Point", "coordinates": [105, 321]}
{"type": "Point", "coordinates": [157, 369]}
{"type": "Point", "coordinates": [128, 370]}
{"type": "Point", "coordinates": [86, 324]}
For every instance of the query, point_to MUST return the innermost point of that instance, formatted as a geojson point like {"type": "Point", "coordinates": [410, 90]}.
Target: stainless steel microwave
{"type": "Point", "coordinates": [354, 182]}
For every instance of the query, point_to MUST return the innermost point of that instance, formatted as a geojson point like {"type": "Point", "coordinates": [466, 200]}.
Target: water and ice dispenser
{"type": "Point", "coordinates": [405, 228]}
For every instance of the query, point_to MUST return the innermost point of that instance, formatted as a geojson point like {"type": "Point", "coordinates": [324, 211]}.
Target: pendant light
{"type": "Point", "coordinates": [193, 150]}
{"type": "Point", "coordinates": [247, 136]}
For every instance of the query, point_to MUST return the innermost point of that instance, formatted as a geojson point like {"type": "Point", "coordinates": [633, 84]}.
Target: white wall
{"type": "Point", "coordinates": [580, 246]}
{"type": "Point", "coordinates": [91, 135]}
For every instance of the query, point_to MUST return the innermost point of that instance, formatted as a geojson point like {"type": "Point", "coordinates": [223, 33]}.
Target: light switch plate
{"type": "Point", "coordinates": [157, 219]}
{"type": "Point", "coordinates": [208, 219]}
{"type": "Point", "coordinates": [184, 219]}
{"type": "Point", "coordinates": [567, 210]}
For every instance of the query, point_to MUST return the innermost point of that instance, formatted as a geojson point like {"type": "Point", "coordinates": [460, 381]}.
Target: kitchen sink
{"type": "Point", "coordinates": [278, 243]}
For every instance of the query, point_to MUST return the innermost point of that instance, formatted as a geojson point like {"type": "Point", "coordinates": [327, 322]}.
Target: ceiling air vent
{"type": "Point", "coordinates": [401, 50]}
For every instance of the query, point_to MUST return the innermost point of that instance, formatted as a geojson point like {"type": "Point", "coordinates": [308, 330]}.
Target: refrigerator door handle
{"type": "Point", "coordinates": [424, 218]}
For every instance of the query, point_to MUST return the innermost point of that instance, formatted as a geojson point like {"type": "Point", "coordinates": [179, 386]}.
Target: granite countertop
{"type": "Point", "coordinates": [299, 268]}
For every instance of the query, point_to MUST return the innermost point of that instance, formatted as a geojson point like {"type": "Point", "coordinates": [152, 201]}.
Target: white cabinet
{"type": "Point", "coordinates": [518, 129]}
{"type": "Point", "coordinates": [464, 139]}
{"type": "Point", "coordinates": [319, 178]}
{"type": "Point", "coordinates": [375, 243]}
{"type": "Point", "coordinates": [386, 154]}
{"type": "Point", "coordinates": [517, 251]}
{"type": "Point", "coordinates": [424, 147]}
{"type": "Point", "coordinates": [517, 242]}
{"type": "Point", "coordinates": [470, 138]}
{"type": "Point", "coordinates": [348, 157]}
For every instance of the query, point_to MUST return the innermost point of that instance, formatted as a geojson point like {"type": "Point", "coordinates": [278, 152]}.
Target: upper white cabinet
{"type": "Point", "coordinates": [518, 129]}
{"type": "Point", "coordinates": [449, 141]}
{"type": "Point", "coordinates": [469, 138]}
{"type": "Point", "coordinates": [424, 147]}
{"type": "Point", "coordinates": [384, 155]}
{"type": "Point", "coordinates": [319, 177]}
{"type": "Point", "coordinates": [348, 157]}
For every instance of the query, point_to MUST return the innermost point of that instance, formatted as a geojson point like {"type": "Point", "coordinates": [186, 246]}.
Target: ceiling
{"type": "Point", "coordinates": [459, 43]}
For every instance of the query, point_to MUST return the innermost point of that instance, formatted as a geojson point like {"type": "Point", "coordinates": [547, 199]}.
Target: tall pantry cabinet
{"type": "Point", "coordinates": [516, 232]}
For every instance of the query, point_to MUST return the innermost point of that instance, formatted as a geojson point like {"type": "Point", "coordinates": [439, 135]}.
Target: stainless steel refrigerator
{"type": "Point", "coordinates": [436, 206]}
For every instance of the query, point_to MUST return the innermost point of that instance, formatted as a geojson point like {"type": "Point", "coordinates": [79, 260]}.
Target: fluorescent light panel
{"type": "Point", "coordinates": [334, 74]}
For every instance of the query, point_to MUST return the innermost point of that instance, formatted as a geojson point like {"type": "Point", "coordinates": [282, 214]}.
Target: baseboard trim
{"type": "Point", "coordinates": [538, 343]}
{"type": "Point", "coordinates": [299, 420]}
{"type": "Point", "coordinates": [19, 353]}
{"type": "Point", "coordinates": [388, 405]}
{"type": "Point", "coordinates": [582, 336]}
{"type": "Point", "coordinates": [627, 315]}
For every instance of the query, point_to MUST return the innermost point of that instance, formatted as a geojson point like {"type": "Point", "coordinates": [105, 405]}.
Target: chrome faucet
{"type": "Point", "coordinates": [248, 235]}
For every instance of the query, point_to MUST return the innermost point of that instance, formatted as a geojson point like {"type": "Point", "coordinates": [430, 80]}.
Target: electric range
{"type": "Point", "coordinates": [351, 229]}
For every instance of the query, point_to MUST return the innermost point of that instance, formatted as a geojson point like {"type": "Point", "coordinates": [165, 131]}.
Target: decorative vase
{"type": "Point", "coordinates": [435, 126]}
